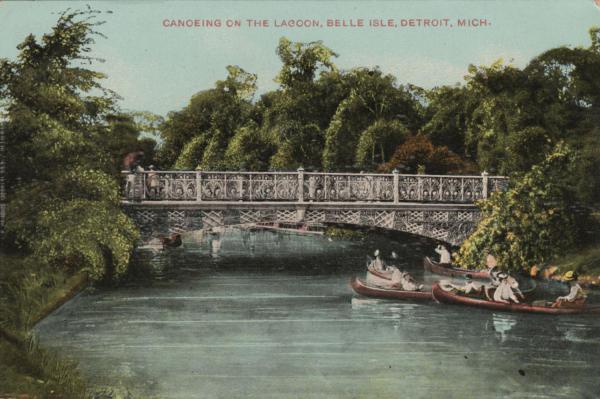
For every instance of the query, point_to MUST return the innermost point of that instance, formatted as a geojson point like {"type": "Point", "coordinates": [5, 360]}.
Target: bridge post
{"type": "Point", "coordinates": [484, 191]}
{"type": "Point", "coordinates": [301, 184]}
{"type": "Point", "coordinates": [396, 186]}
{"type": "Point", "coordinates": [198, 186]}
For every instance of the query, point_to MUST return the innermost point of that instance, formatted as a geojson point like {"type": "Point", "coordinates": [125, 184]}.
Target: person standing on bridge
{"type": "Point", "coordinates": [152, 182]}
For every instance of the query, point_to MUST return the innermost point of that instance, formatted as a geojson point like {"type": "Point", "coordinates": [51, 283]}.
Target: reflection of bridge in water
{"type": "Point", "coordinates": [440, 207]}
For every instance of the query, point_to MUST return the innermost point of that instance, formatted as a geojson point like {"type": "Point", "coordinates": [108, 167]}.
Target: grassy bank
{"type": "Point", "coordinates": [28, 293]}
{"type": "Point", "coordinates": [586, 259]}
{"type": "Point", "coordinates": [586, 262]}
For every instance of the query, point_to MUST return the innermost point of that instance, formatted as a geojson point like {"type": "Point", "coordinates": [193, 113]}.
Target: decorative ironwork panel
{"type": "Point", "coordinates": [212, 219]}
{"type": "Point", "coordinates": [348, 187]}
{"type": "Point", "coordinates": [174, 186]}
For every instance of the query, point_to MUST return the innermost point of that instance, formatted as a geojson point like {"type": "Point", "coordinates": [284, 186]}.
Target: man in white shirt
{"type": "Point", "coordinates": [576, 293]}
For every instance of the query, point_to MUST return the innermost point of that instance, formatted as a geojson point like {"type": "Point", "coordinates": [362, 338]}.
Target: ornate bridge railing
{"type": "Point", "coordinates": [301, 186]}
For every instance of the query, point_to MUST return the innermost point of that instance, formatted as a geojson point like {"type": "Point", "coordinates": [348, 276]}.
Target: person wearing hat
{"type": "Point", "coordinates": [576, 293]}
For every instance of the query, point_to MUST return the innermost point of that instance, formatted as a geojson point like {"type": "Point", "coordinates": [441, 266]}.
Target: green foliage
{"type": "Point", "coordinates": [198, 134]}
{"type": "Point", "coordinates": [377, 143]}
{"type": "Point", "coordinates": [302, 61]}
{"type": "Point", "coordinates": [530, 223]}
{"type": "Point", "coordinates": [39, 372]}
{"type": "Point", "coordinates": [66, 139]}
{"type": "Point", "coordinates": [249, 149]}
{"type": "Point", "coordinates": [344, 233]}
{"type": "Point", "coordinates": [74, 221]}
{"type": "Point", "coordinates": [191, 153]}
{"type": "Point", "coordinates": [447, 116]}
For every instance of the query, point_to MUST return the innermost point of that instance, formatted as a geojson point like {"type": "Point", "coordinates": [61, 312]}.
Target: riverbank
{"type": "Point", "coordinates": [29, 293]}
{"type": "Point", "coordinates": [586, 262]}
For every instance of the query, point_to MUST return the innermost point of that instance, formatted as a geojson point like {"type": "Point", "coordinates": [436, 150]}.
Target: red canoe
{"type": "Point", "coordinates": [363, 289]}
{"type": "Point", "coordinates": [387, 275]}
{"type": "Point", "coordinates": [447, 270]}
{"type": "Point", "coordinates": [451, 298]}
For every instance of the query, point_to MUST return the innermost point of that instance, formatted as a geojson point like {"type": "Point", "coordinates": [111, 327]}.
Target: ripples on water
{"type": "Point", "coordinates": [266, 315]}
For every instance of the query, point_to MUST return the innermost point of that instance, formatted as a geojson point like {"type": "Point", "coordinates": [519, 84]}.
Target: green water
{"type": "Point", "coordinates": [264, 315]}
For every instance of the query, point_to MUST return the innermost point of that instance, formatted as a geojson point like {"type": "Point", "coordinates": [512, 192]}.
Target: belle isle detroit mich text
{"type": "Point", "coordinates": [327, 23]}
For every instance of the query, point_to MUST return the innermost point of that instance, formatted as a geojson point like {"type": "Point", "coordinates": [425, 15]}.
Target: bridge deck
{"type": "Point", "coordinates": [171, 204]}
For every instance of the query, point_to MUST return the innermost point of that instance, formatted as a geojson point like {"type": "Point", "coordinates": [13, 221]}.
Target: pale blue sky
{"type": "Point", "coordinates": [157, 69]}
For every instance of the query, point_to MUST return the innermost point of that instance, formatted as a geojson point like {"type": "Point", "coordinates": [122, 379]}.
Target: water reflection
{"type": "Point", "coordinates": [503, 323]}
{"type": "Point", "coordinates": [258, 314]}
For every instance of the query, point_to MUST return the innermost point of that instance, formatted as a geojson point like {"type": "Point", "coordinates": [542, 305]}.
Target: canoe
{"type": "Point", "coordinates": [447, 270]}
{"type": "Point", "coordinates": [360, 287]}
{"type": "Point", "coordinates": [443, 296]}
{"type": "Point", "coordinates": [375, 280]}
{"type": "Point", "coordinates": [387, 275]}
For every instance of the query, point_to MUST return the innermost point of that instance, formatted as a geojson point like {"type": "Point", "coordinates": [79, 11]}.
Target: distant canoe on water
{"type": "Point", "coordinates": [362, 288]}
{"type": "Point", "coordinates": [447, 297]}
{"type": "Point", "coordinates": [448, 270]}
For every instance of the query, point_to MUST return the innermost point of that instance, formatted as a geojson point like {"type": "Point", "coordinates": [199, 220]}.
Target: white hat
{"type": "Point", "coordinates": [376, 252]}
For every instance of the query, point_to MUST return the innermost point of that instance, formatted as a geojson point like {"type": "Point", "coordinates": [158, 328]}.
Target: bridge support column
{"type": "Point", "coordinates": [198, 186]}
{"type": "Point", "coordinates": [301, 185]}
{"type": "Point", "coordinates": [396, 186]}
{"type": "Point", "coordinates": [300, 212]}
{"type": "Point", "coordinates": [484, 191]}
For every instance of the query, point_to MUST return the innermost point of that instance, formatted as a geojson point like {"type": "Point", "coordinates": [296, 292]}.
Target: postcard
{"type": "Point", "coordinates": [308, 199]}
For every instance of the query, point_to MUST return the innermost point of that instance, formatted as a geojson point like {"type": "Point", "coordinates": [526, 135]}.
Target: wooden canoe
{"type": "Point", "coordinates": [447, 270]}
{"type": "Point", "coordinates": [384, 275]}
{"type": "Point", "coordinates": [443, 296]}
{"type": "Point", "coordinates": [376, 292]}
{"type": "Point", "coordinates": [375, 280]}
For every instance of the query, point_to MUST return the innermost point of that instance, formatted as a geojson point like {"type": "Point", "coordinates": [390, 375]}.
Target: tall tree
{"type": "Point", "coordinates": [63, 203]}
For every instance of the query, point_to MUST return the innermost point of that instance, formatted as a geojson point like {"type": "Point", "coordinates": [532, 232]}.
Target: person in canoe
{"type": "Point", "coordinates": [445, 257]}
{"type": "Point", "coordinates": [378, 263]}
{"type": "Point", "coordinates": [404, 281]}
{"type": "Point", "coordinates": [507, 290]}
{"type": "Point", "coordinates": [576, 294]}
{"type": "Point", "coordinates": [471, 286]}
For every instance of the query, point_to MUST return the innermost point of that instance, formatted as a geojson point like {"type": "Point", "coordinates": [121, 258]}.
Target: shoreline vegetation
{"type": "Point", "coordinates": [29, 293]}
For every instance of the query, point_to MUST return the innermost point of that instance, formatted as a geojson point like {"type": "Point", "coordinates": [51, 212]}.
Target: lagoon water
{"type": "Point", "coordinates": [241, 314]}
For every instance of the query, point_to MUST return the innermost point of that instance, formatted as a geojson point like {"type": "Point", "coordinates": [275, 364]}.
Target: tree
{"type": "Point", "coordinates": [418, 154]}
{"type": "Point", "coordinates": [377, 142]}
{"type": "Point", "coordinates": [64, 131]}
{"type": "Point", "coordinates": [198, 135]}
{"type": "Point", "coordinates": [373, 97]}
{"type": "Point", "coordinates": [249, 149]}
{"type": "Point", "coordinates": [447, 116]}
{"type": "Point", "coordinates": [302, 61]}
{"type": "Point", "coordinates": [531, 222]}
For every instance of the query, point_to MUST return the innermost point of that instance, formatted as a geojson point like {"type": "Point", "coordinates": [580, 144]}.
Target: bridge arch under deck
{"type": "Point", "coordinates": [451, 224]}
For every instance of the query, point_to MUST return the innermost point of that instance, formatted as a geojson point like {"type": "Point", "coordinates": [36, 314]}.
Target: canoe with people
{"type": "Point", "coordinates": [388, 281]}
{"type": "Point", "coordinates": [444, 265]}
{"type": "Point", "coordinates": [503, 294]}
